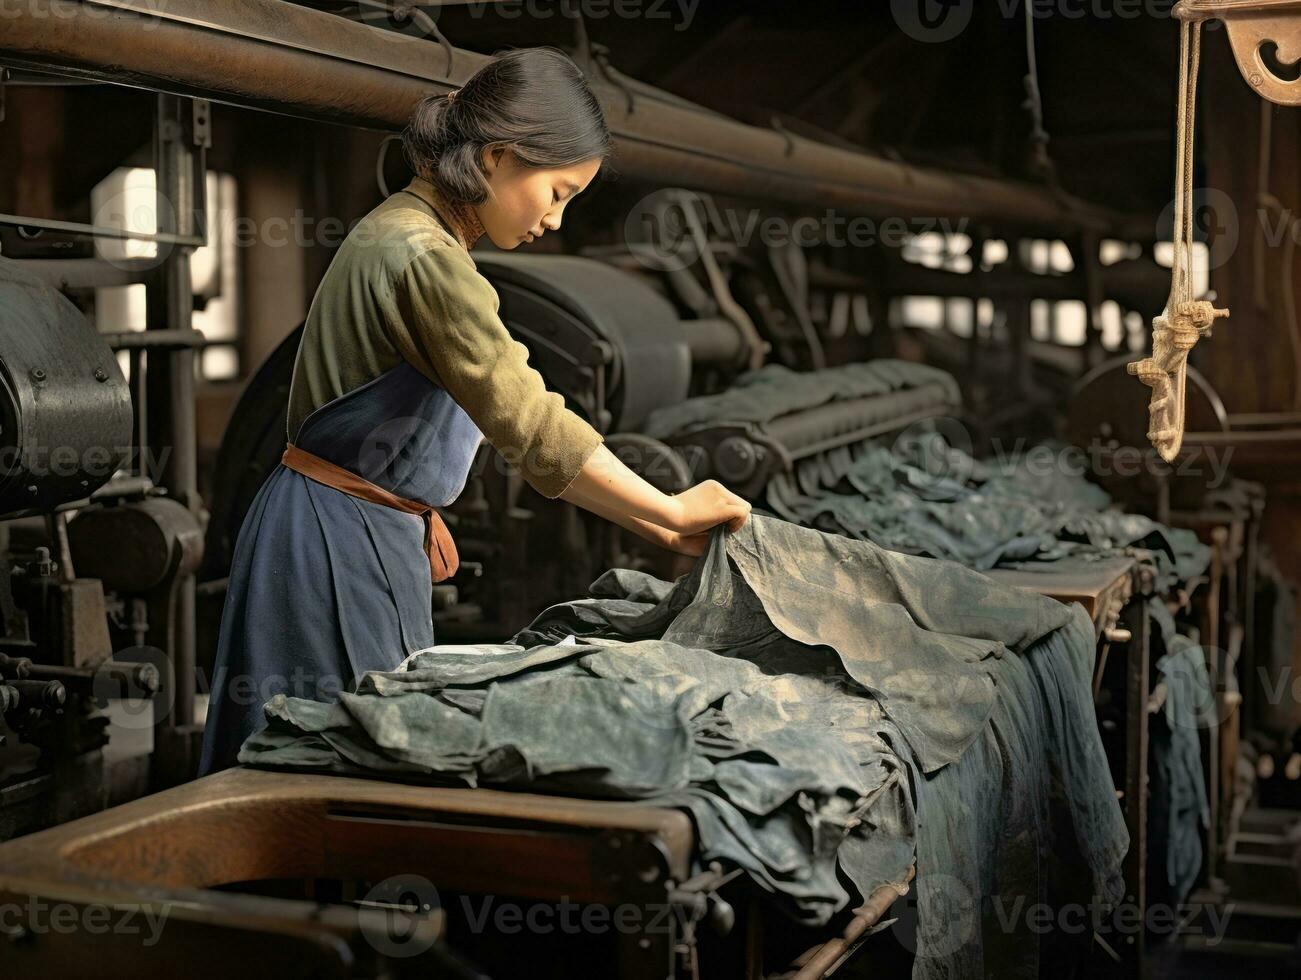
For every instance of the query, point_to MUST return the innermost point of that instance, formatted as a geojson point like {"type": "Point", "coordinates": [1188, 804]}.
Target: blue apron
{"type": "Point", "coordinates": [324, 586]}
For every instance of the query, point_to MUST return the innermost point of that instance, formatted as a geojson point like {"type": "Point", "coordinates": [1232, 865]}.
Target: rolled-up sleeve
{"type": "Point", "coordinates": [443, 320]}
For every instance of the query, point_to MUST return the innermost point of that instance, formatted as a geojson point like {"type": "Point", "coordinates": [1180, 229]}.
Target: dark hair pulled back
{"type": "Point", "coordinates": [535, 102]}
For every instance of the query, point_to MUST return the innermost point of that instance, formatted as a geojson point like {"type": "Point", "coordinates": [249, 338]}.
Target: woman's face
{"type": "Point", "coordinates": [526, 202]}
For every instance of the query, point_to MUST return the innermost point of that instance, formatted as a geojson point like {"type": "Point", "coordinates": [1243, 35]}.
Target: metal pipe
{"type": "Point", "coordinates": [98, 231]}
{"type": "Point", "coordinates": [170, 380]}
{"type": "Point", "coordinates": [88, 273]}
{"type": "Point", "coordinates": [111, 676]}
{"type": "Point", "coordinates": [161, 339]}
{"type": "Point", "coordinates": [712, 340]}
{"type": "Point", "coordinates": [304, 62]}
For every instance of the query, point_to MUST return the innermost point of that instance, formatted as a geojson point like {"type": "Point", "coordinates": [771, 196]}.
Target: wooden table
{"type": "Point", "coordinates": [170, 850]}
{"type": "Point", "coordinates": [1102, 587]}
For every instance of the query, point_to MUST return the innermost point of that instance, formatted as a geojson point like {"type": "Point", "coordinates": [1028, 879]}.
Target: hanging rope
{"type": "Point", "coordinates": [1034, 102]}
{"type": "Point", "coordinates": [1185, 320]}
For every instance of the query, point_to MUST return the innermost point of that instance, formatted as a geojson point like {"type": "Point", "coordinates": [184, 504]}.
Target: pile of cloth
{"type": "Point", "coordinates": [830, 714]}
{"type": "Point", "coordinates": [769, 392]}
{"type": "Point", "coordinates": [921, 495]}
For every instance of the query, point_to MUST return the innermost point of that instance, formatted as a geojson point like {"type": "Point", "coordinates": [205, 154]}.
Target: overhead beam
{"type": "Point", "coordinates": [281, 57]}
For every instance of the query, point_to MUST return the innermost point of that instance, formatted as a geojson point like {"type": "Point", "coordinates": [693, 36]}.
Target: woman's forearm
{"type": "Point", "coordinates": [607, 487]}
{"type": "Point", "coordinates": [653, 533]}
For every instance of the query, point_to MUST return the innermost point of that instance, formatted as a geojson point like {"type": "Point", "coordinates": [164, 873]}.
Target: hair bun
{"type": "Point", "coordinates": [532, 101]}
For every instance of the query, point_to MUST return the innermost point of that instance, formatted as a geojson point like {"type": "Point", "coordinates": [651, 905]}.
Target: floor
{"type": "Point", "coordinates": [1260, 932]}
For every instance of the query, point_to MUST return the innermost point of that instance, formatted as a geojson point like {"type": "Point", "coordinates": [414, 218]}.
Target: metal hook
{"type": "Point", "coordinates": [428, 24]}
{"type": "Point", "coordinates": [786, 134]}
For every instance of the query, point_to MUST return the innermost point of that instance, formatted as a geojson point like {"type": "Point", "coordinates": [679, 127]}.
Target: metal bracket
{"type": "Point", "coordinates": [202, 124]}
{"type": "Point", "coordinates": [1255, 26]}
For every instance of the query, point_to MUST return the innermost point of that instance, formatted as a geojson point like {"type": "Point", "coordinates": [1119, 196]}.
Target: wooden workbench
{"type": "Point", "coordinates": [171, 849]}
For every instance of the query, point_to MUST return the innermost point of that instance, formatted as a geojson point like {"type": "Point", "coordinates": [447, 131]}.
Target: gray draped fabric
{"type": "Point", "coordinates": [826, 710]}
{"type": "Point", "coordinates": [1179, 811]}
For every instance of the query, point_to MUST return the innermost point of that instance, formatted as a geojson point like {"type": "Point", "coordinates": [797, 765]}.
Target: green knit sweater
{"type": "Point", "coordinates": [403, 287]}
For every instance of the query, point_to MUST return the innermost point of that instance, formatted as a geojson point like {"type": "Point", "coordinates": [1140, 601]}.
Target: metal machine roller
{"type": "Point", "coordinates": [65, 408]}
{"type": "Point", "coordinates": [746, 457]}
{"type": "Point", "coordinates": [604, 338]}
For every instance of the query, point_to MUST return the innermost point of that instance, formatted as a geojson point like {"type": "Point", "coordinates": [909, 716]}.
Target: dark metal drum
{"type": "Point", "coordinates": [65, 408]}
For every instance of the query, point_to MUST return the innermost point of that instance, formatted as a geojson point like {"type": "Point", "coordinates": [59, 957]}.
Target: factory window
{"type": "Point", "coordinates": [1111, 251]}
{"type": "Point", "coordinates": [214, 273]}
{"type": "Point", "coordinates": [1041, 320]}
{"type": "Point", "coordinates": [994, 253]}
{"type": "Point", "coordinates": [1065, 322]}
{"type": "Point", "coordinates": [920, 311]}
{"type": "Point", "coordinates": [1135, 331]}
{"type": "Point", "coordinates": [125, 199]}
{"type": "Point", "coordinates": [952, 314]}
{"type": "Point", "coordinates": [950, 253]}
{"type": "Point", "coordinates": [939, 251]}
{"type": "Point", "coordinates": [1047, 257]}
{"type": "Point", "coordinates": [1113, 326]}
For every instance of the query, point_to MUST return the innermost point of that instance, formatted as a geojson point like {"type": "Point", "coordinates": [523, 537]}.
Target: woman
{"type": "Point", "coordinates": [404, 368]}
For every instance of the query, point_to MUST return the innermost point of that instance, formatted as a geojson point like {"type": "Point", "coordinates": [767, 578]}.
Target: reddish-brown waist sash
{"type": "Point", "coordinates": [443, 560]}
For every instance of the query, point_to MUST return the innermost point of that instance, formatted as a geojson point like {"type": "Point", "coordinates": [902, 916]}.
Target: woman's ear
{"type": "Point", "coordinates": [492, 156]}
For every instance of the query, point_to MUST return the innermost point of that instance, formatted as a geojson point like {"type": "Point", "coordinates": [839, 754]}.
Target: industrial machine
{"type": "Point", "coordinates": [77, 597]}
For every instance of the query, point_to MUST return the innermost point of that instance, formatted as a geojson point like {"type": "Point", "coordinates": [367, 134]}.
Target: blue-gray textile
{"type": "Point", "coordinates": [1028, 815]}
{"type": "Point", "coordinates": [829, 713]}
{"type": "Point", "coordinates": [922, 496]}
{"type": "Point", "coordinates": [773, 390]}
{"type": "Point", "coordinates": [1179, 811]}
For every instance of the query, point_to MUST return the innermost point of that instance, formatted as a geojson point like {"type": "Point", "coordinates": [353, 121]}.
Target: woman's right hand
{"type": "Point", "coordinates": [706, 505]}
{"type": "Point", "coordinates": [680, 522]}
